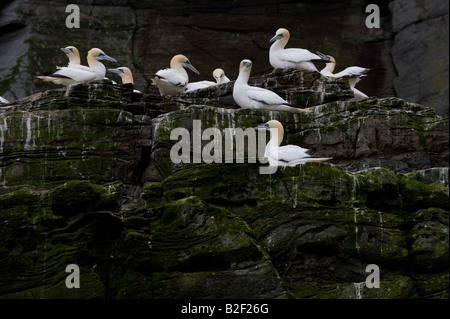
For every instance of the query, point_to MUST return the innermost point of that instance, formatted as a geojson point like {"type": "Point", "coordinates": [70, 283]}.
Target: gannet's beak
{"type": "Point", "coordinates": [324, 56]}
{"type": "Point", "coordinates": [276, 37]}
{"type": "Point", "coordinates": [190, 66]}
{"type": "Point", "coordinates": [247, 63]}
{"type": "Point", "coordinates": [264, 127]}
{"type": "Point", "coordinates": [117, 71]}
{"type": "Point", "coordinates": [103, 56]}
{"type": "Point", "coordinates": [65, 50]}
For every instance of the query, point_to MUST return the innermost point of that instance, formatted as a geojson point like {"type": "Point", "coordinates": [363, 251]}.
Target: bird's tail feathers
{"type": "Point", "coordinates": [299, 110]}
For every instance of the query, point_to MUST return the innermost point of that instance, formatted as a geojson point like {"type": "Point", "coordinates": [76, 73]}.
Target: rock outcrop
{"type": "Point", "coordinates": [88, 180]}
{"type": "Point", "coordinates": [411, 43]}
{"type": "Point", "coordinates": [422, 72]}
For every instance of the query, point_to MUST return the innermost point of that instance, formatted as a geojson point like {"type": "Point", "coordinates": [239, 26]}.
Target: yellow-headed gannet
{"type": "Point", "coordinates": [173, 80]}
{"type": "Point", "coordinates": [126, 75]}
{"type": "Point", "coordinates": [354, 74]}
{"type": "Point", "coordinates": [256, 98]}
{"type": "Point", "coordinates": [73, 55]}
{"type": "Point", "coordinates": [288, 155]}
{"type": "Point", "coordinates": [218, 74]}
{"type": "Point", "coordinates": [75, 74]}
{"type": "Point", "coordinates": [3, 100]}
{"type": "Point", "coordinates": [281, 58]}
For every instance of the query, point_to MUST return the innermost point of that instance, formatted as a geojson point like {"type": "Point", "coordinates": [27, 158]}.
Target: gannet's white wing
{"type": "Point", "coordinates": [198, 85]}
{"type": "Point", "coordinates": [172, 76]}
{"type": "Point", "coordinates": [77, 74]}
{"type": "Point", "coordinates": [289, 153]}
{"type": "Point", "coordinates": [77, 66]}
{"type": "Point", "coordinates": [297, 55]}
{"type": "Point", "coordinates": [264, 96]}
{"type": "Point", "coordinates": [352, 71]}
{"type": "Point", "coordinates": [70, 76]}
{"type": "Point", "coordinates": [3, 100]}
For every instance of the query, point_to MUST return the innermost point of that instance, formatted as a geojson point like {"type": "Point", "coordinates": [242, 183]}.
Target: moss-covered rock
{"type": "Point", "coordinates": [87, 179]}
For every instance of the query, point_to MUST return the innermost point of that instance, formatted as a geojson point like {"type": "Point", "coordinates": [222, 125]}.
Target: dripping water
{"type": "Point", "coordinates": [382, 231]}
{"type": "Point", "coordinates": [358, 286]}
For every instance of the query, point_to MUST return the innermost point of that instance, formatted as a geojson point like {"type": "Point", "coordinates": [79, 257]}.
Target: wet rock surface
{"type": "Point", "coordinates": [87, 179]}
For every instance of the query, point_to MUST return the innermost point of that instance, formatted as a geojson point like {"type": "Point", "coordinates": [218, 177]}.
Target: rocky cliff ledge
{"type": "Point", "coordinates": [87, 179]}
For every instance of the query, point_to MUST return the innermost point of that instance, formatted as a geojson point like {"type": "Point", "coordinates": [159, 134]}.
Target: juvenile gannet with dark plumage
{"type": "Point", "coordinates": [126, 75]}
{"type": "Point", "coordinates": [354, 73]}
{"type": "Point", "coordinates": [75, 74]}
{"type": "Point", "coordinates": [288, 155]}
{"type": "Point", "coordinates": [281, 58]}
{"type": "Point", "coordinates": [218, 74]}
{"type": "Point", "coordinates": [256, 98]}
{"type": "Point", "coordinates": [173, 80]}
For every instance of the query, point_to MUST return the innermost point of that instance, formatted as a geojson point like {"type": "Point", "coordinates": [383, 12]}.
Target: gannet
{"type": "Point", "coordinates": [126, 76]}
{"type": "Point", "coordinates": [3, 100]}
{"type": "Point", "coordinates": [218, 74]}
{"type": "Point", "coordinates": [73, 55]}
{"type": "Point", "coordinates": [75, 74]}
{"type": "Point", "coordinates": [281, 58]}
{"type": "Point", "coordinates": [288, 155]}
{"type": "Point", "coordinates": [173, 80]}
{"type": "Point", "coordinates": [251, 97]}
{"type": "Point", "coordinates": [354, 73]}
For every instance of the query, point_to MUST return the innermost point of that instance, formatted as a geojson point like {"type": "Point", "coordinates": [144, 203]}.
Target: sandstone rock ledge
{"type": "Point", "coordinates": [87, 180]}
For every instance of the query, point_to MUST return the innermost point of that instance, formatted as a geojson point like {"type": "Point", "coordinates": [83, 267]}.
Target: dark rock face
{"type": "Point", "coordinates": [418, 26]}
{"type": "Point", "coordinates": [87, 180]}
{"type": "Point", "coordinates": [411, 43]}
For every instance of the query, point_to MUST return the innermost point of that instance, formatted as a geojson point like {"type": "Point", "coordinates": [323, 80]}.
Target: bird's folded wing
{"type": "Point", "coordinates": [76, 74]}
{"type": "Point", "coordinates": [352, 71]}
{"type": "Point", "coordinates": [290, 153]}
{"type": "Point", "coordinates": [265, 96]}
{"type": "Point", "coordinates": [199, 85]}
{"type": "Point", "coordinates": [172, 76]}
{"type": "Point", "coordinates": [298, 55]}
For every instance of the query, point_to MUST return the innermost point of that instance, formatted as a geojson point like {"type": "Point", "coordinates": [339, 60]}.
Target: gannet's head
{"type": "Point", "coordinates": [327, 58]}
{"type": "Point", "coordinates": [183, 61]}
{"type": "Point", "coordinates": [281, 33]}
{"type": "Point", "coordinates": [245, 65]}
{"type": "Point", "coordinates": [125, 74]}
{"type": "Point", "coordinates": [100, 55]}
{"type": "Point", "coordinates": [70, 50]}
{"type": "Point", "coordinates": [72, 53]}
{"type": "Point", "coordinates": [273, 124]}
{"type": "Point", "coordinates": [218, 74]}
{"type": "Point", "coordinates": [270, 124]}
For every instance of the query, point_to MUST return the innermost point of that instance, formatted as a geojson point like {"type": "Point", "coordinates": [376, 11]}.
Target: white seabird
{"type": "Point", "coordinates": [256, 98]}
{"type": "Point", "coordinates": [354, 74]}
{"type": "Point", "coordinates": [3, 100]}
{"type": "Point", "coordinates": [173, 80]}
{"type": "Point", "coordinates": [125, 75]}
{"type": "Point", "coordinates": [218, 74]}
{"type": "Point", "coordinates": [281, 58]}
{"type": "Point", "coordinates": [288, 155]}
{"type": "Point", "coordinates": [75, 74]}
{"type": "Point", "coordinates": [73, 54]}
